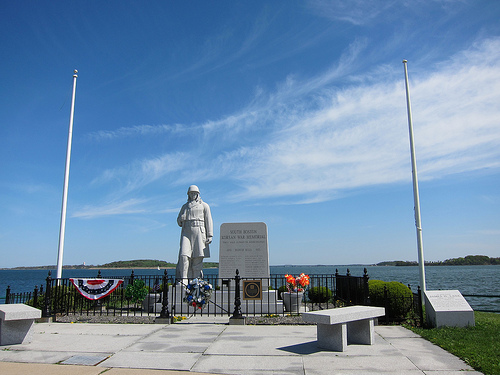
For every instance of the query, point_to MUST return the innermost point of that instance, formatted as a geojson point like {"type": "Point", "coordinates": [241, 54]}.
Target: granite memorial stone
{"type": "Point", "coordinates": [448, 308]}
{"type": "Point", "coordinates": [244, 246]}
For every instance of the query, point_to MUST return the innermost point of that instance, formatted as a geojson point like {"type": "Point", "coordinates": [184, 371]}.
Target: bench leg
{"type": "Point", "coordinates": [361, 332]}
{"type": "Point", "coordinates": [16, 331]}
{"type": "Point", "coordinates": [332, 337]}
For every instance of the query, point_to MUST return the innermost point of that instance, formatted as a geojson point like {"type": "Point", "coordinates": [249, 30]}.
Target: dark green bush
{"type": "Point", "coordinates": [319, 294]}
{"type": "Point", "coordinates": [137, 291]}
{"type": "Point", "coordinates": [399, 297]}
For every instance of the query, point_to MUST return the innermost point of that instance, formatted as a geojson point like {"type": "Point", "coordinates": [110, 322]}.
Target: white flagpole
{"type": "Point", "coordinates": [66, 181]}
{"type": "Point", "coordinates": [416, 198]}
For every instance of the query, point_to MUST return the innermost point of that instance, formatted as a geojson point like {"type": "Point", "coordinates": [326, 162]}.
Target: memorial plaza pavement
{"type": "Point", "coordinates": [209, 345]}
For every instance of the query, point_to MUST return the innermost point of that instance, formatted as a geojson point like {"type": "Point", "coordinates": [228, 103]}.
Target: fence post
{"type": "Point", "coordinates": [165, 313]}
{"type": "Point", "coordinates": [348, 279]}
{"type": "Point", "coordinates": [35, 297]}
{"type": "Point", "coordinates": [366, 290]}
{"type": "Point", "coordinates": [7, 295]}
{"type": "Point", "coordinates": [237, 300]}
{"type": "Point", "coordinates": [46, 312]}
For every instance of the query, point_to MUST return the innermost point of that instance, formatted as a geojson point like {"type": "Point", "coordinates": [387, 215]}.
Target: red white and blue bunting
{"type": "Point", "coordinates": [95, 289]}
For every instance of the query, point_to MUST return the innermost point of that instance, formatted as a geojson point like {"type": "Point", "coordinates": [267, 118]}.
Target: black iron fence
{"type": "Point", "coordinates": [164, 297]}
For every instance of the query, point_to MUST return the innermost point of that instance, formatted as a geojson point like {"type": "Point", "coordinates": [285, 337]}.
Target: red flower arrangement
{"type": "Point", "coordinates": [297, 284]}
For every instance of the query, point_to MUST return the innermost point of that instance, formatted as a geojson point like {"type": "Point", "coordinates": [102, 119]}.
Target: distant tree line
{"type": "Point", "coordinates": [138, 263]}
{"type": "Point", "coordinates": [469, 260]}
{"type": "Point", "coordinates": [149, 263]}
{"type": "Point", "coordinates": [130, 264]}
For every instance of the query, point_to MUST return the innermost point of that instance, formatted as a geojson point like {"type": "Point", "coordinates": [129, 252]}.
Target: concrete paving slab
{"type": "Point", "coordinates": [173, 347]}
{"type": "Point", "coordinates": [149, 360]}
{"type": "Point", "coordinates": [250, 365]}
{"type": "Point", "coordinates": [362, 372]}
{"type": "Point", "coordinates": [252, 345]}
{"type": "Point", "coordinates": [261, 340]}
{"type": "Point", "coordinates": [395, 331]}
{"type": "Point", "coordinates": [97, 329]}
{"type": "Point", "coordinates": [322, 364]}
{"type": "Point", "coordinates": [305, 331]}
{"type": "Point", "coordinates": [84, 360]}
{"type": "Point", "coordinates": [202, 333]}
{"type": "Point", "coordinates": [51, 342]}
{"type": "Point", "coordinates": [187, 339]}
{"type": "Point", "coordinates": [426, 355]}
{"type": "Point", "coordinates": [33, 356]}
{"type": "Point", "coordinates": [380, 348]}
{"type": "Point", "coordinates": [412, 345]}
{"type": "Point", "coordinates": [439, 361]}
{"type": "Point", "coordinates": [132, 371]}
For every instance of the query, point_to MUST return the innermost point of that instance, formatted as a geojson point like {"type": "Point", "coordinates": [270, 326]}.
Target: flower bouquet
{"type": "Point", "coordinates": [198, 293]}
{"type": "Point", "coordinates": [297, 284]}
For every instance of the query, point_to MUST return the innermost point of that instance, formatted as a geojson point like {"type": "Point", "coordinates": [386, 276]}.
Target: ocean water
{"type": "Point", "coordinates": [469, 280]}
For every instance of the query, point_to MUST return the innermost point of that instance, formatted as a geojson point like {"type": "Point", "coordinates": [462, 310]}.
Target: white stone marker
{"type": "Point", "coordinates": [448, 308]}
{"type": "Point", "coordinates": [244, 247]}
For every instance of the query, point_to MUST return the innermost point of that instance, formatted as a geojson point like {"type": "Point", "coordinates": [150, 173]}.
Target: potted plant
{"type": "Point", "coordinates": [295, 291]}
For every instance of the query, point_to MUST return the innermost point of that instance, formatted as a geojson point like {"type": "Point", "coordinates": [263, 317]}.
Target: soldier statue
{"type": "Point", "coordinates": [196, 235]}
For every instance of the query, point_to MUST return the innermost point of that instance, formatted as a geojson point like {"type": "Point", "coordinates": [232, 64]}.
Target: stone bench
{"type": "Point", "coordinates": [338, 327]}
{"type": "Point", "coordinates": [16, 323]}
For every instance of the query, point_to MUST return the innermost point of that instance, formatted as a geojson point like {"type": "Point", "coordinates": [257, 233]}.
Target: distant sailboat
{"type": "Point", "coordinates": [158, 268]}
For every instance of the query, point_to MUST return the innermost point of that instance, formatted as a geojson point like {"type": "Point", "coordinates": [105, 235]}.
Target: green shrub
{"type": "Point", "coordinates": [400, 297]}
{"type": "Point", "coordinates": [319, 294]}
{"type": "Point", "coordinates": [137, 291]}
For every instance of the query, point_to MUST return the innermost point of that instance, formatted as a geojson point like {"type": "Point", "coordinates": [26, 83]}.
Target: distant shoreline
{"type": "Point", "coordinates": [49, 268]}
{"type": "Point", "coordinates": [145, 264]}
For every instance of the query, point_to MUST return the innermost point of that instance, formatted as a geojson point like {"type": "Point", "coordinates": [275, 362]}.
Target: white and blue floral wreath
{"type": "Point", "coordinates": [198, 293]}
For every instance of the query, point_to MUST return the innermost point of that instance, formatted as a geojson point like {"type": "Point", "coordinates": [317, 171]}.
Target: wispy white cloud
{"type": "Point", "coordinates": [143, 172]}
{"type": "Point", "coordinates": [312, 140]}
{"type": "Point", "coordinates": [130, 206]}
{"type": "Point", "coordinates": [357, 12]}
{"type": "Point", "coordinates": [136, 131]}
{"type": "Point", "coordinates": [359, 137]}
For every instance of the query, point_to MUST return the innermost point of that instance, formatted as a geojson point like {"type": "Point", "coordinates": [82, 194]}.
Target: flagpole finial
{"type": "Point", "coordinates": [75, 73]}
{"type": "Point", "coordinates": [405, 61]}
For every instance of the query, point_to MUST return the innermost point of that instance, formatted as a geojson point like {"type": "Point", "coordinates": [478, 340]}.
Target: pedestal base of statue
{"type": "Point", "coordinates": [222, 302]}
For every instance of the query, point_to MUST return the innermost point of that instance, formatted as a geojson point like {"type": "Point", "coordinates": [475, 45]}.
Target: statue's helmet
{"type": "Point", "coordinates": [193, 188]}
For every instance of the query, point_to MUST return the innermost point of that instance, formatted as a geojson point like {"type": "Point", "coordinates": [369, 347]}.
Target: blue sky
{"type": "Point", "coordinates": [285, 112]}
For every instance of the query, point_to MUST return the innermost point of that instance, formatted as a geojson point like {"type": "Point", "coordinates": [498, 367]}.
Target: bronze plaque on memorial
{"type": "Point", "coordinates": [252, 289]}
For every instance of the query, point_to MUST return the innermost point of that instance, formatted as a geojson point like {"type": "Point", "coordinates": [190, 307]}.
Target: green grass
{"type": "Point", "coordinates": [478, 346]}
